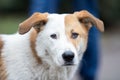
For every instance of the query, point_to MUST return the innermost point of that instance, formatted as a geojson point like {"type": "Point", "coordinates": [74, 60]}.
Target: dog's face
{"type": "Point", "coordinates": [61, 38]}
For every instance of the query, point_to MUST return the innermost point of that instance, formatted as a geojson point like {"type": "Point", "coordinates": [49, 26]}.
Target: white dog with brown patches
{"type": "Point", "coordinates": [47, 47]}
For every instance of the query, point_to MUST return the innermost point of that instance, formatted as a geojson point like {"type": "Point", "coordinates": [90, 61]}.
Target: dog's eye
{"type": "Point", "coordinates": [54, 36]}
{"type": "Point", "coordinates": [74, 35]}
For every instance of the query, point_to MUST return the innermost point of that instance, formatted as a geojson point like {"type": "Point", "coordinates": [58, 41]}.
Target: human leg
{"type": "Point", "coordinates": [43, 6]}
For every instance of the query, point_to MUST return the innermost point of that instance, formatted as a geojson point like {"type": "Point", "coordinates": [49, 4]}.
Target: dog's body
{"type": "Point", "coordinates": [51, 50]}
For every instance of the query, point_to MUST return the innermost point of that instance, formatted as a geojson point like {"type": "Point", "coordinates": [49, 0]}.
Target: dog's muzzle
{"type": "Point", "coordinates": [68, 57]}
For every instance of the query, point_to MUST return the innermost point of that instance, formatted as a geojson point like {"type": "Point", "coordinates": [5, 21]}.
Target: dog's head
{"type": "Point", "coordinates": [61, 38]}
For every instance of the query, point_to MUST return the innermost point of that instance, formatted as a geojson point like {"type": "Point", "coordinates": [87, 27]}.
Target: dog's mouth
{"type": "Point", "coordinates": [68, 64]}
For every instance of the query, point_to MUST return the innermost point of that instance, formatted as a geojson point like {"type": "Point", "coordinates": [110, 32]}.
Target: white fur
{"type": "Point", "coordinates": [19, 60]}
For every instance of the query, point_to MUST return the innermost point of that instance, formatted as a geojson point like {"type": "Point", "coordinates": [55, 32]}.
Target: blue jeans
{"type": "Point", "coordinates": [50, 6]}
{"type": "Point", "coordinates": [90, 60]}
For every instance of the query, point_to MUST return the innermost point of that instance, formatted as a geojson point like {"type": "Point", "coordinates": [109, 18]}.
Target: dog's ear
{"type": "Point", "coordinates": [89, 20]}
{"type": "Point", "coordinates": [36, 20]}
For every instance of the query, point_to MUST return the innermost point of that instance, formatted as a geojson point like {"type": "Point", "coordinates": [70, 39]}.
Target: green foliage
{"type": "Point", "coordinates": [110, 9]}
{"type": "Point", "coordinates": [9, 24]}
{"type": "Point", "coordinates": [7, 5]}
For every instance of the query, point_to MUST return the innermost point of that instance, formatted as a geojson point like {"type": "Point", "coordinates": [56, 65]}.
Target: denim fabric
{"type": "Point", "coordinates": [50, 6]}
{"type": "Point", "coordinates": [90, 61]}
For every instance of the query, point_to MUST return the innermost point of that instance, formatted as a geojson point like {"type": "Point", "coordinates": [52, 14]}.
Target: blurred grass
{"type": "Point", "coordinates": [9, 23]}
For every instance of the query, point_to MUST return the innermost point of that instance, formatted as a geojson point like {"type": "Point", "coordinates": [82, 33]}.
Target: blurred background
{"type": "Point", "coordinates": [12, 12]}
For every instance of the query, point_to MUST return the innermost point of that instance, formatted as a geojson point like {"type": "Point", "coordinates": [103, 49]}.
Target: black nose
{"type": "Point", "coordinates": [68, 56]}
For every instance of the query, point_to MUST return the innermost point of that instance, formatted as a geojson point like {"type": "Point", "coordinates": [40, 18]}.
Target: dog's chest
{"type": "Point", "coordinates": [40, 73]}
{"type": "Point", "coordinates": [57, 73]}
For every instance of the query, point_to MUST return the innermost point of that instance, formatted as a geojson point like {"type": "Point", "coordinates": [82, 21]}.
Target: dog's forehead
{"type": "Point", "coordinates": [62, 22]}
{"type": "Point", "coordinates": [56, 19]}
{"type": "Point", "coordinates": [56, 16]}
{"type": "Point", "coordinates": [56, 22]}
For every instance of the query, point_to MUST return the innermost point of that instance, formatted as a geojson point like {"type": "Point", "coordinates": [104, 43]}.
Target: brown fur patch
{"type": "Point", "coordinates": [36, 20]}
{"type": "Point", "coordinates": [72, 24]}
{"type": "Point", "coordinates": [32, 41]}
{"type": "Point", "coordinates": [89, 20]}
{"type": "Point", "coordinates": [3, 73]}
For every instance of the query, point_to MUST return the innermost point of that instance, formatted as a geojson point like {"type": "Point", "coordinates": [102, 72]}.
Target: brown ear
{"type": "Point", "coordinates": [36, 20]}
{"type": "Point", "coordinates": [89, 20]}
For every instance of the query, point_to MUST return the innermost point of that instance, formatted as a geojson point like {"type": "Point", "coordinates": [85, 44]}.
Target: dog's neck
{"type": "Point", "coordinates": [3, 72]}
{"type": "Point", "coordinates": [33, 37]}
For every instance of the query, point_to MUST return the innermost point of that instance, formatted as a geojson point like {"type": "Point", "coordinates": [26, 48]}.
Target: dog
{"type": "Point", "coordinates": [46, 46]}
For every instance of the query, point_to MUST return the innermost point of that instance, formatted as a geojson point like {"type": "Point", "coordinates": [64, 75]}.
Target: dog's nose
{"type": "Point", "coordinates": [68, 56]}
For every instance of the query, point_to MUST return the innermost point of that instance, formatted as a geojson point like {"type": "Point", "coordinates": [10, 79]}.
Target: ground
{"type": "Point", "coordinates": [109, 68]}
{"type": "Point", "coordinates": [110, 57]}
